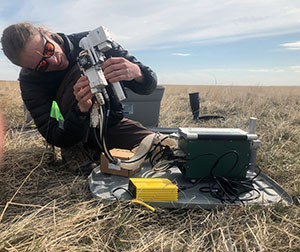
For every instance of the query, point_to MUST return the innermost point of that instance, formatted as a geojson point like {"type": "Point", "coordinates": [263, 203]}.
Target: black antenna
{"type": "Point", "coordinates": [195, 107]}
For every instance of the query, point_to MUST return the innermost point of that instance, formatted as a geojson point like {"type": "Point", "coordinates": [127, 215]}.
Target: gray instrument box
{"type": "Point", "coordinates": [143, 108]}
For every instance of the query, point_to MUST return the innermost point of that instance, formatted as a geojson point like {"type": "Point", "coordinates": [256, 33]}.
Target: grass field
{"type": "Point", "coordinates": [45, 207]}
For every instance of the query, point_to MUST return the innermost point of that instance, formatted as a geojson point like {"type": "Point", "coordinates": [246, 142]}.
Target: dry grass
{"type": "Point", "coordinates": [45, 207]}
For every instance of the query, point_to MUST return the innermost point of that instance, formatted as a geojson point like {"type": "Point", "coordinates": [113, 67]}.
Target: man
{"type": "Point", "coordinates": [50, 73]}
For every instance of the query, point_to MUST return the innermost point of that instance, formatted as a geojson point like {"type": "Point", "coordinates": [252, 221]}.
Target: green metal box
{"type": "Point", "coordinates": [215, 151]}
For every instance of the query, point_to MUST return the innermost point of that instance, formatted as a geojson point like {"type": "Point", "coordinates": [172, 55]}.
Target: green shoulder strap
{"type": "Point", "coordinates": [55, 113]}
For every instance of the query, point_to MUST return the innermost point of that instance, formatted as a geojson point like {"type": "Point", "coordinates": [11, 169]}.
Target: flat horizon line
{"type": "Point", "coordinates": [210, 85]}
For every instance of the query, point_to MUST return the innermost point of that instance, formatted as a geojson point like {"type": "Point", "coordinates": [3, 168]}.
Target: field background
{"type": "Point", "coordinates": [45, 207]}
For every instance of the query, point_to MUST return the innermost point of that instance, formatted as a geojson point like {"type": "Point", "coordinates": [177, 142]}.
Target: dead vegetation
{"type": "Point", "coordinates": [45, 207]}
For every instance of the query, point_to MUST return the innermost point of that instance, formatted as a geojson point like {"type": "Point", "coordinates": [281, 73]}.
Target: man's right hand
{"type": "Point", "coordinates": [82, 93]}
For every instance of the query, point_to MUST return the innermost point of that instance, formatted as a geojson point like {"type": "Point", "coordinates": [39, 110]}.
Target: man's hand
{"type": "Point", "coordinates": [83, 94]}
{"type": "Point", "coordinates": [118, 69]}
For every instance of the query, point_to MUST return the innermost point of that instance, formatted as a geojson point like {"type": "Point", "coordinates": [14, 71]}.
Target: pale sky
{"type": "Point", "coordinates": [224, 42]}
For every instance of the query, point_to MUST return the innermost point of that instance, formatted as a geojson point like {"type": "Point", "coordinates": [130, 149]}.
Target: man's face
{"type": "Point", "coordinates": [33, 53]}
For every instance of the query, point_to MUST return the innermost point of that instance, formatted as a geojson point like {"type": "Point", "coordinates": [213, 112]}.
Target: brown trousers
{"type": "Point", "coordinates": [126, 134]}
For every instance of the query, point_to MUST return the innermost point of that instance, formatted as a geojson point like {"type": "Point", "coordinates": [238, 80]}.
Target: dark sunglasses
{"type": "Point", "coordinates": [48, 52]}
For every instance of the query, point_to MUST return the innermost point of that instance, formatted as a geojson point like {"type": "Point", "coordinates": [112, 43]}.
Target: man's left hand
{"type": "Point", "coordinates": [118, 69]}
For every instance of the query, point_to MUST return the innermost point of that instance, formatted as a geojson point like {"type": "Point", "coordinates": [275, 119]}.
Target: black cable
{"type": "Point", "coordinates": [119, 188]}
{"type": "Point", "coordinates": [97, 140]}
{"type": "Point", "coordinates": [168, 154]}
{"type": "Point", "coordinates": [159, 144]}
{"type": "Point", "coordinates": [208, 117]}
{"type": "Point", "coordinates": [230, 189]}
{"type": "Point", "coordinates": [164, 153]}
{"type": "Point", "coordinates": [216, 179]}
{"type": "Point", "coordinates": [100, 142]}
{"type": "Point", "coordinates": [222, 156]}
{"type": "Point", "coordinates": [235, 190]}
{"type": "Point", "coordinates": [106, 114]}
{"type": "Point", "coordinates": [148, 152]}
{"type": "Point", "coordinates": [153, 156]}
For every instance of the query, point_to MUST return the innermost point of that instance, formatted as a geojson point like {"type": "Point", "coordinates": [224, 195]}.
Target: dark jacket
{"type": "Point", "coordinates": [38, 90]}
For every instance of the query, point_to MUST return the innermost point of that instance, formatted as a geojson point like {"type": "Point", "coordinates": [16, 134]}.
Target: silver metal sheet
{"type": "Point", "coordinates": [102, 185]}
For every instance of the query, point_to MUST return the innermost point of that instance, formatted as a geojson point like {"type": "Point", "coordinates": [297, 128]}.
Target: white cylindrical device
{"type": "Point", "coordinates": [119, 91]}
{"type": "Point", "coordinates": [252, 125]}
